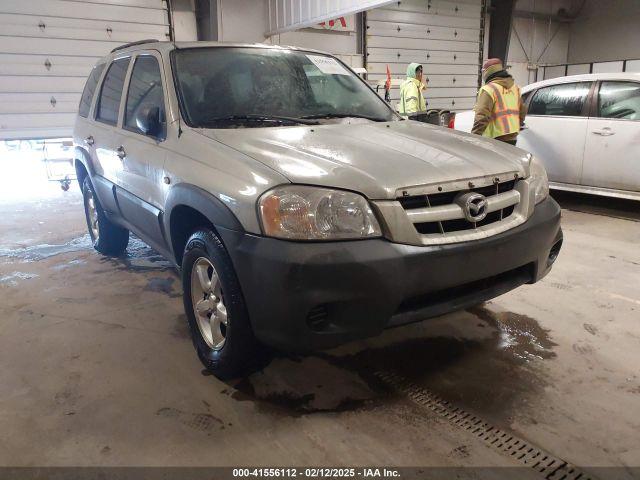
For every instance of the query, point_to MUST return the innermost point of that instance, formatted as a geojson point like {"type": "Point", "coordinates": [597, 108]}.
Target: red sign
{"type": "Point", "coordinates": [332, 23]}
{"type": "Point", "coordinates": [342, 24]}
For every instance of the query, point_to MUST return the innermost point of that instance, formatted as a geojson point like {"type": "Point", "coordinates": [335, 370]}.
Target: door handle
{"type": "Point", "coordinates": [120, 152]}
{"type": "Point", "coordinates": [89, 140]}
{"type": "Point", "coordinates": [605, 132]}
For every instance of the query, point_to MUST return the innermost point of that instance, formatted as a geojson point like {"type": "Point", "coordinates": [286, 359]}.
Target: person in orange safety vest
{"type": "Point", "coordinates": [499, 110]}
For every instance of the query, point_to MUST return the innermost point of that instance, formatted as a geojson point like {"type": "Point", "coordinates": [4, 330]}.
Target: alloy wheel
{"type": "Point", "coordinates": [208, 305]}
{"type": "Point", "coordinates": [92, 214]}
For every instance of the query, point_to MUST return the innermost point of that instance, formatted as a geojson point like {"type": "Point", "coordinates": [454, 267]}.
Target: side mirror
{"type": "Point", "coordinates": [148, 121]}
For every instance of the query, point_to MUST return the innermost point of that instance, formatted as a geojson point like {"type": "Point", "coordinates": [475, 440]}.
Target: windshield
{"type": "Point", "coordinates": [224, 86]}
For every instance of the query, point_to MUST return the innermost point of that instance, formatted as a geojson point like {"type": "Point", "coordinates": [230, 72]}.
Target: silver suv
{"type": "Point", "coordinates": [300, 209]}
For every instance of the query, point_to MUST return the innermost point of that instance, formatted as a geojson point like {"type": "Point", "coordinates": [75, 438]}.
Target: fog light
{"type": "Point", "coordinates": [318, 318]}
{"type": "Point", "coordinates": [555, 251]}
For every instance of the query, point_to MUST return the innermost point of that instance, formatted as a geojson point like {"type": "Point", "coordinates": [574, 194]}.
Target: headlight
{"type": "Point", "coordinates": [299, 212]}
{"type": "Point", "coordinates": [539, 180]}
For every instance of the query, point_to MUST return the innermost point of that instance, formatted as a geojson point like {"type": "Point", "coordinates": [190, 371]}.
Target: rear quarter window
{"type": "Point", "coordinates": [89, 90]}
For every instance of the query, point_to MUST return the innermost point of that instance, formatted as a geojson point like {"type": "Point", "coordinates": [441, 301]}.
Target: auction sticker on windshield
{"type": "Point", "coordinates": [328, 65]}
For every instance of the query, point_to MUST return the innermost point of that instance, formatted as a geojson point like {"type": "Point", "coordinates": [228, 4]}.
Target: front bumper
{"type": "Point", "coordinates": [307, 296]}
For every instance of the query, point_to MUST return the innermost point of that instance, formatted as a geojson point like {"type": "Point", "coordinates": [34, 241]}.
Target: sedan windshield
{"type": "Point", "coordinates": [226, 87]}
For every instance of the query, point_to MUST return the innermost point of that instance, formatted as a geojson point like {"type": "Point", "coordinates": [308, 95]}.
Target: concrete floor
{"type": "Point", "coordinates": [98, 368]}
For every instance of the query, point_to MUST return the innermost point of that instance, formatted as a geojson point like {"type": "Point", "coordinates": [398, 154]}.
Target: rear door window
{"type": "Point", "coordinates": [619, 100]}
{"type": "Point", "coordinates": [109, 101]}
{"type": "Point", "coordinates": [89, 90]}
{"type": "Point", "coordinates": [565, 100]}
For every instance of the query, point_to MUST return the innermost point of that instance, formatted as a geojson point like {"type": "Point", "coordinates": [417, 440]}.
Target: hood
{"type": "Point", "coordinates": [411, 70]}
{"type": "Point", "coordinates": [376, 159]}
{"type": "Point", "coordinates": [506, 82]}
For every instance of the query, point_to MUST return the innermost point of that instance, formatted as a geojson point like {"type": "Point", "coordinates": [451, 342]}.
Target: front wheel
{"type": "Point", "coordinates": [215, 308]}
{"type": "Point", "coordinates": [107, 237]}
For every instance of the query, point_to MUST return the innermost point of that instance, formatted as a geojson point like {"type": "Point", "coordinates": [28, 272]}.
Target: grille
{"type": "Point", "coordinates": [438, 213]}
{"type": "Point", "coordinates": [460, 224]}
{"type": "Point", "coordinates": [445, 198]}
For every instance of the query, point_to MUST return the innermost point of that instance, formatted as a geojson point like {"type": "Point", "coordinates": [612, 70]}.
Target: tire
{"type": "Point", "coordinates": [107, 237]}
{"type": "Point", "coordinates": [228, 350]}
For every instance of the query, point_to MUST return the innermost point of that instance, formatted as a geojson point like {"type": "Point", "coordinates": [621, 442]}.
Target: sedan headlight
{"type": "Point", "coordinates": [298, 212]}
{"type": "Point", "coordinates": [539, 180]}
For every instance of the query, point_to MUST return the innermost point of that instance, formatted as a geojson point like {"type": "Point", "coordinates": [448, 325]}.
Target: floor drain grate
{"type": "Point", "coordinates": [552, 467]}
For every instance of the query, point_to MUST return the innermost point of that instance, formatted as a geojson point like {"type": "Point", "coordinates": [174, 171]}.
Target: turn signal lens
{"type": "Point", "coordinates": [539, 180]}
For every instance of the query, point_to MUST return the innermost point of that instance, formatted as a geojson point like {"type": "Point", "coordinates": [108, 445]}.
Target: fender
{"type": "Point", "coordinates": [211, 207]}
{"type": "Point", "coordinates": [82, 156]}
{"type": "Point", "coordinates": [103, 188]}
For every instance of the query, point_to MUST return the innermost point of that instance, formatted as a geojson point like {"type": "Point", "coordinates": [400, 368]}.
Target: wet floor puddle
{"type": "Point", "coordinates": [518, 334]}
{"type": "Point", "coordinates": [43, 251]}
{"type": "Point", "coordinates": [491, 375]}
{"type": "Point", "coordinates": [14, 278]}
{"type": "Point", "coordinates": [298, 386]}
{"type": "Point", "coordinates": [138, 256]}
{"type": "Point", "coordinates": [166, 285]}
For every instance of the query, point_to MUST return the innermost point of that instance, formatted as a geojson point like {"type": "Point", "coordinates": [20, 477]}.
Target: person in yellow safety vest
{"type": "Point", "coordinates": [499, 109]}
{"type": "Point", "coordinates": [411, 98]}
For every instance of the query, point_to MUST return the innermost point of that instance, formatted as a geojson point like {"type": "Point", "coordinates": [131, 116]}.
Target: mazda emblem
{"type": "Point", "coordinates": [474, 206]}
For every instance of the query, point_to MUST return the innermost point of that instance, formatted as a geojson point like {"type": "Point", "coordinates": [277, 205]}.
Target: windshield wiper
{"type": "Point", "coordinates": [345, 115]}
{"type": "Point", "coordinates": [259, 118]}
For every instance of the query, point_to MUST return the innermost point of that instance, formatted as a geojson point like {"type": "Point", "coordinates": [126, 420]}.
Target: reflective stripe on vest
{"type": "Point", "coordinates": [505, 118]}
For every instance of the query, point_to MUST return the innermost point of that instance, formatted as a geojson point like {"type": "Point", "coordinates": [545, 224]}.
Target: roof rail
{"type": "Point", "coordinates": [139, 42]}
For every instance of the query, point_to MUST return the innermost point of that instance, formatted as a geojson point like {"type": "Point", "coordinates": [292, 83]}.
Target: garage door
{"type": "Point", "coordinates": [47, 48]}
{"type": "Point", "coordinates": [445, 36]}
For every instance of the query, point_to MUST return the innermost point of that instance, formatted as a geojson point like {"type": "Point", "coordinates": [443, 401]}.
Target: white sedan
{"type": "Point", "coordinates": [586, 131]}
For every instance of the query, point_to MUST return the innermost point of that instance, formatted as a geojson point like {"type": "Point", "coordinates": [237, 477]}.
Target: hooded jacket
{"type": "Point", "coordinates": [411, 98]}
{"type": "Point", "coordinates": [485, 105]}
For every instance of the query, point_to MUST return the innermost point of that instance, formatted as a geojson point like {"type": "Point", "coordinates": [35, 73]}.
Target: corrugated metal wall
{"type": "Point", "coordinates": [445, 36]}
{"type": "Point", "coordinates": [47, 48]}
